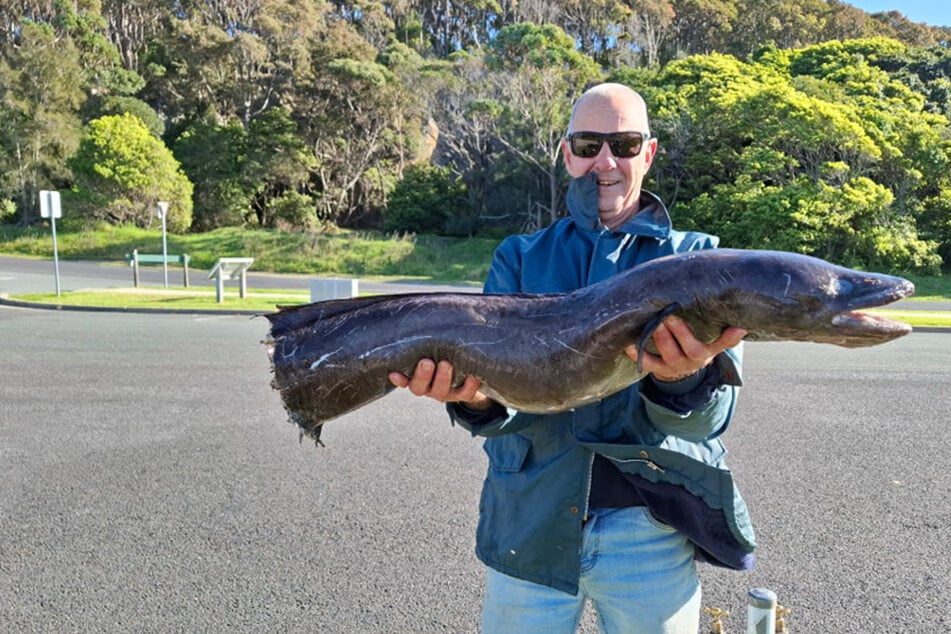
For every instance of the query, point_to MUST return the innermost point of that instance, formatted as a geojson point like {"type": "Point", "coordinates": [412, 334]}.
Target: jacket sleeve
{"type": "Point", "coordinates": [699, 407]}
{"type": "Point", "coordinates": [496, 421]}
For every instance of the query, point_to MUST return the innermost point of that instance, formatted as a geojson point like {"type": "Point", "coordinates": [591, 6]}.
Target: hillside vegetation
{"type": "Point", "coordinates": [803, 125]}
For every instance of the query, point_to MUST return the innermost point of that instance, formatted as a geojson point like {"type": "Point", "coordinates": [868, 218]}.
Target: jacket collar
{"type": "Point", "coordinates": [582, 199]}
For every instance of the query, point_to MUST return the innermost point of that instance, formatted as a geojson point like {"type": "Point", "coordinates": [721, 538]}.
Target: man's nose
{"type": "Point", "coordinates": [605, 159]}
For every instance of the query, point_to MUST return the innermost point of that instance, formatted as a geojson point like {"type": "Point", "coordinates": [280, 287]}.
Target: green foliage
{"type": "Point", "coordinates": [211, 156]}
{"type": "Point", "coordinates": [275, 161]}
{"type": "Point", "coordinates": [797, 114]}
{"type": "Point", "coordinates": [39, 127]}
{"type": "Point", "coordinates": [100, 107]}
{"type": "Point", "coordinates": [293, 210]}
{"type": "Point", "coordinates": [825, 155]}
{"type": "Point", "coordinates": [427, 200]}
{"type": "Point", "coordinates": [541, 46]}
{"type": "Point", "coordinates": [121, 172]}
{"type": "Point", "coordinates": [8, 211]}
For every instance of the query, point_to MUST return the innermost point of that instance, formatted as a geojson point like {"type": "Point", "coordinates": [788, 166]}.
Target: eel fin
{"type": "Point", "coordinates": [649, 329]}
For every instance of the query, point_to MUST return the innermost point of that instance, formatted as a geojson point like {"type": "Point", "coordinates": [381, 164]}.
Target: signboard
{"type": "Point", "coordinates": [229, 269]}
{"type": "Point", "coordinates": [49, 204]}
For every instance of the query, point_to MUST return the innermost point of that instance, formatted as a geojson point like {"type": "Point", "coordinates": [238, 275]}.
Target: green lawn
{"type": "Point", "coordinates": [152, 298]}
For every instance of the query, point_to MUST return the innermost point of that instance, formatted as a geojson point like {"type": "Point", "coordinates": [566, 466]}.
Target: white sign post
{"type": "Point", "coordinates": [162, 212]}
{"type": "Point", "coordinates": [50, 208]}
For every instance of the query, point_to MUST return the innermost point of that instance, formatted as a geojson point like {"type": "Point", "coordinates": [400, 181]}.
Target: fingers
{"type": "Point", "coordinates": [730, 338]}
{"type": "Point", "coordinates": [679, 352]}
{"type": "Point", "coordinates": [435, 381]}
{"type": "Point", "coordinates": [421, 382]}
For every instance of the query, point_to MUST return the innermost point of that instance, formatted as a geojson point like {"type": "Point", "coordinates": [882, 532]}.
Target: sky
{"type": "Point", "coordinates": [933, 12]}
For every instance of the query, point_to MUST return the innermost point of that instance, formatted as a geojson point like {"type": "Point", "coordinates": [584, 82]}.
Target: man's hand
{"type": "Point", "coordinates": [679, 353]}
{"type": "Point", "coordinates": [435, 381]}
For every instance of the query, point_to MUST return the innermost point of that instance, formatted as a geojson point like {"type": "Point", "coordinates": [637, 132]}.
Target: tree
{"type": "Point", "coordinates": [700, 26]}
{"type": "Point", "coordinates": [39, 100]}
{"type": "Point", "coordinates": [131, 26]}
{"type": "Point", "coordinates": [651, 27]}
{"type": "Point", "coordinates": [275, 162]}
{"type": "Point", "coordinates": [426, 200]}
{"type": "Point", "coordinates": [358, 118]}
{"type": "Point", "coordinates": [787, 23]}
{"type": "Point", "coordinates": [834, 170]}
{"type": "Point", "coordinates": [121, 172]}
{"type": "Point", "coordinates": [211, 156]}
{"type": "Point", "coordinates": [540, 75]}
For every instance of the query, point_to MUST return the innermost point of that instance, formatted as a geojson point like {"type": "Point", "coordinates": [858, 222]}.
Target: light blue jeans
{"type": "Point", "coordinates": [638, 573]}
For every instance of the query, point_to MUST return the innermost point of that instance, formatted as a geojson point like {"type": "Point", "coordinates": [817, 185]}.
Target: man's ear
{"type": "Point", "coordinates": [566, 154]}
{"type": "Point", "coordinates": [650, 151]}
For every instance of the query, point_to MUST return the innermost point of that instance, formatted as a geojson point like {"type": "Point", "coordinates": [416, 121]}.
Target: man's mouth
{"type": "Point", "coordinates": [607, 183]}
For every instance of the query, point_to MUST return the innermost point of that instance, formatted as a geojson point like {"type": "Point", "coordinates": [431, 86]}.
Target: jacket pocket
{"type": "Point", "coordinates": [507, 453]}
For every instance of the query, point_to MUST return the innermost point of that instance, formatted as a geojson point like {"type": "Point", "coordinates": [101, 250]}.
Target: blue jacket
{"type": "Point", "coordinates": [663, 437]}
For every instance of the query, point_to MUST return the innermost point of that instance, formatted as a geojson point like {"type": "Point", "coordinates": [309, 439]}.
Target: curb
{"type": "Point", "coordinates": [16, 303]}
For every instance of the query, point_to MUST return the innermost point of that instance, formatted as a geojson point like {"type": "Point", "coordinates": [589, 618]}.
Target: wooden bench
{"type": "Point", "coordinates": [135, 259]}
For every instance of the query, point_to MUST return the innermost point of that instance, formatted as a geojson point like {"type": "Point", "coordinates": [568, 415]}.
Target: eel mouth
{"type": "Point", "coordinates": [866, 322]}
{"type": "Point", "coordinates": [867, 328]}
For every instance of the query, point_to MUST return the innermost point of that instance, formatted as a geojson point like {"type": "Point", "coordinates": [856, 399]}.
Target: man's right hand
{"type": "Point", "coordinates": [435, 381]}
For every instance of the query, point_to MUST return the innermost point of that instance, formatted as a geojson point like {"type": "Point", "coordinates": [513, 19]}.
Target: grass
{"type": "Point", "coordinates": [922, 318]}
{"type": "Point", "coordinates": [195, 299]}
{"type": "Point", "coordinates": [337, 252]}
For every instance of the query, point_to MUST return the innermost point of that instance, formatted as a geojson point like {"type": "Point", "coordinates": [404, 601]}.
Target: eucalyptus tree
{"type": "Point", "coordinates": [650, 26]}
{"type": "Point", "coordinates": [540, 74]}
{"type": "Point", "coordinates": [39, 104]}
{"type": "Point", "coordinates": [784, 23]}
{"type": "Point", "coordinates": [238, 57]}
{"type": "Point", "coordinates": [352, 106]}
{"type": "Point", "coordinates": [132, 25]}
{"type": "Point", "coordinates": [700, 26]}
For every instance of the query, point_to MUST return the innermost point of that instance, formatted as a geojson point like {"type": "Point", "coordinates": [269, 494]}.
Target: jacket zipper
{"type": "Point", "coordinates": [587, 495]}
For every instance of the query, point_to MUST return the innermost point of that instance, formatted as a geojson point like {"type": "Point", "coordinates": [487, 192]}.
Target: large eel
{"type": "Point", "coordinates": [552, 352]}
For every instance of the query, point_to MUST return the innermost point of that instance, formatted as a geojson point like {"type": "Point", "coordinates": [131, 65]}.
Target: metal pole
{"type": "Point", "coordinates": [164, 251]}
{"type": "Point", "coordinates": [55, 253]}
{"type": "Point", "coordinates": [761, 614]}
{"type": "Point", "coordinates": [162, 212]}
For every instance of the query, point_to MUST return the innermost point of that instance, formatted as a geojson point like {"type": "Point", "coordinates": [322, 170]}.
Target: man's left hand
{"type": "Point", "coordinates": [679, 353]}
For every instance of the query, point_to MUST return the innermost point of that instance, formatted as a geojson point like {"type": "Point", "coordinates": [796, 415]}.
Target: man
{"type": "Point", "coordinates": [613, 501]}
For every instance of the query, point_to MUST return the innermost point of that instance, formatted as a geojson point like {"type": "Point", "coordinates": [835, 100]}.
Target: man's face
{"type": "Point", "coordinates": [619, 179]}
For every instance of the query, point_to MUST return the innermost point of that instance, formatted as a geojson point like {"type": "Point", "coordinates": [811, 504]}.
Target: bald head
{"type": "Point", "coordinates": [609, 109]}
{"type": "Point", "coordinates": [612, 105]}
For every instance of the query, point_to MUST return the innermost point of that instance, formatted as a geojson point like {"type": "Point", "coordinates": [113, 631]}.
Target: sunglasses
{"type": "Point", "coordinates": [622, 144]}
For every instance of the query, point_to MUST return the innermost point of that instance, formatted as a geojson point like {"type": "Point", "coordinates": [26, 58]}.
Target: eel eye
{"type": "Point", "coordinates": [843, 287]}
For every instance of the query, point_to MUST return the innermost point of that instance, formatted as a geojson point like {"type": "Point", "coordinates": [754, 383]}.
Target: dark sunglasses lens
{"type": "Point", "coordinates": [585, 145]}
{"type": "Point", "coordinates": [626, 145]}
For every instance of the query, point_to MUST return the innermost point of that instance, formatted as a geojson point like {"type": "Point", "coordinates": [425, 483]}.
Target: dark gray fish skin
{"type": "Point", "coordinates": [550, 353]}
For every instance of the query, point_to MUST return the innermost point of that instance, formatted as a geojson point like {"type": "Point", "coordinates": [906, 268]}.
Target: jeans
{"type": "Point", "coordinates": [638, 573]}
